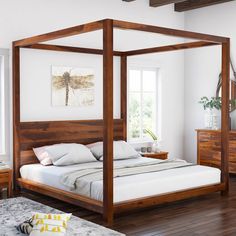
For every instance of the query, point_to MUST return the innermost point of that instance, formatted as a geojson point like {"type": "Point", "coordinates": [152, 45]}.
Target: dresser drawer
{"type": "Point", "coordinates": [209, 136]}
{"type": "Point", "coordinates": [232, 167]}
{"type": "Point", "coordinates": [216, 164]}
{"type": "Point", "coordinates": [208, 155]}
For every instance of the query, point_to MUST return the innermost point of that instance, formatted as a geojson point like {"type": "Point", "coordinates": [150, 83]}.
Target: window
{"type": "Point", "coordinates": [4, 104]}
{"type": "Point", "coordinates": [142, 102]}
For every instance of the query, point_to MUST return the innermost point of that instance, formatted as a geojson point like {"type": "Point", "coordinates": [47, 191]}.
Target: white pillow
{"type": "Point", "coordinates": [122, 150]}
{"type": "Point", "coordinates": [69, 154]}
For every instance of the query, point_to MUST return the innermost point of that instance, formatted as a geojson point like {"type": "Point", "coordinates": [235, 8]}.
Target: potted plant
{"type": "Point", "coordinates": [156, 144]}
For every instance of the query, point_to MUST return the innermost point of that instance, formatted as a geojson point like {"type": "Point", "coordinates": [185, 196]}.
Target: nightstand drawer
{"type": "Point", "coordinates": [4, 178]}
{"type": "Point", "coordinates": [158, 155]}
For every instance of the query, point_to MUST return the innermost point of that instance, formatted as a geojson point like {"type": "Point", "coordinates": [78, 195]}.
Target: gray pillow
{"type": "Point", "coordinates": [69, 154]}
{"type": "Point", "coordinates": [122, 150]}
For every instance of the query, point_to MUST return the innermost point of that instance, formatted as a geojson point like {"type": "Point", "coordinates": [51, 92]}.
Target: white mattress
{"type": "Point", "coordinates": [129, 187]}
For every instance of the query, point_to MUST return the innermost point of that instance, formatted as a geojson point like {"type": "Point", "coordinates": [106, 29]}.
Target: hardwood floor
{"type": "Point", "coordinates": [207, 215]}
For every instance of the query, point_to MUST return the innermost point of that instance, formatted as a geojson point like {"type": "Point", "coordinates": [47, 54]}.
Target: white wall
{"type": "Point", "coordinates": [36, 97]}
{"type": "Point", "coordinates": [202, 66]}
{"type": "Point", "coordinates": [25, 18]}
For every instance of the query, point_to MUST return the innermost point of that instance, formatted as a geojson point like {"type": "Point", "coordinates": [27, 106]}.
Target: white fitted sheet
{"type": "Point", "coordinates": [129, 187]}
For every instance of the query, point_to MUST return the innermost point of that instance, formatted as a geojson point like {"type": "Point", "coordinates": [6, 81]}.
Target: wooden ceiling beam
{"type": "Point", "coordinates": [158, 3]}
{"type": "Point", "coordinates": [194, 4]}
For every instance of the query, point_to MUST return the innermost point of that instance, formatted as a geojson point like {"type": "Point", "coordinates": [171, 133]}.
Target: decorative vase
{"type": "Point", "coordinates": [211, 119]}
{"type": "Point", "coordinates": [156, 146]}
{"type": "Point", "coordinates": [214, 121]}
{"type": "Point", "coordinates": [208, 119]}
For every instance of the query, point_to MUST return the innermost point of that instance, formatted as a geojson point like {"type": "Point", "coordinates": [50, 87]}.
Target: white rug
{"type": "Point", "coordinates": [14, 211]}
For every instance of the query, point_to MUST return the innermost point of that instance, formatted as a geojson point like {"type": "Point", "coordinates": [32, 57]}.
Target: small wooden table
{"type": "Point", "coordinates": [6, 180]}
{"type": "Point", "coordinates": [158, 155]}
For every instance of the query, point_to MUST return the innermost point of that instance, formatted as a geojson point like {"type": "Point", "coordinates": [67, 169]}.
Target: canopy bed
{"type": "Point", "coordinates": [28, 135]}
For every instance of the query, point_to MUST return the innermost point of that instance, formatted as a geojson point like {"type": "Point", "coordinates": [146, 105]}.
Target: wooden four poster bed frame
{"type": "Point", "coordinates": [35, 134]}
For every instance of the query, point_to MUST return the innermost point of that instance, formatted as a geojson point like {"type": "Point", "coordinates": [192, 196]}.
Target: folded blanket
{"type": "Point", "coordinates": [82, 179]}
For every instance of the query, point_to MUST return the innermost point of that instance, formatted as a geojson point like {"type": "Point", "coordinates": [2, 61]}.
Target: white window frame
{"type": "Point", "coordinates": [4, 104]}
{"type": "Point", "coordinates": [158, 102]}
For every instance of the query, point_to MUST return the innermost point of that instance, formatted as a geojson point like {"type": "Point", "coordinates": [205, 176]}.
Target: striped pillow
{"type": "Point", "coordinates": [49, 224]}
{"type": "Point", "coordinates": [25, 227]}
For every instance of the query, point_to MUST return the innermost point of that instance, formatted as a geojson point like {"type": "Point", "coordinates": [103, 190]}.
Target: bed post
{"type": "Point", "coordinates": [108, 121]}
{"type": "Point", "coordinates": [123, 94]}
{"type": "Point", "coordinates": [16, 110]}
{"type": "Point", "coordinates": [225, 116]}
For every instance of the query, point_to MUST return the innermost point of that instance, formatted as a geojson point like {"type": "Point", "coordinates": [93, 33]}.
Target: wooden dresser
{"type": "Point", "coordinates": [209, 148]}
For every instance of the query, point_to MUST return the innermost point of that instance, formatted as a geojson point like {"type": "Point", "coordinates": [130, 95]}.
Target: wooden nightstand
{"type": "Point", "coordinates": [6, 180]}
{"type": "Point", "coordinates": [158, 155]}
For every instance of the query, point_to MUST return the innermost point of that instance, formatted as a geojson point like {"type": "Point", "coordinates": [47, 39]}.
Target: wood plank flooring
{"type": "Point", "coordinates": [207, 215]}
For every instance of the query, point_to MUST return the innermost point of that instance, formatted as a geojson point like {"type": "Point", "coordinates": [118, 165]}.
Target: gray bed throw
{"type": "Point", "coordinates": [81, 180]}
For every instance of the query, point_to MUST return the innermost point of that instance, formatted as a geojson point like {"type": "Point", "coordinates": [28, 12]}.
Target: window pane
{"type": "Point", "coordinates": [2, 138]}
{"type": "Point", "coordinates": [149, 112]}
{"type": "Point", "coordinates": [134, 115]}
{"type": "Point", "coordinates": [134, 80]}
{"type": "Point", "coordinates": [149, 81]}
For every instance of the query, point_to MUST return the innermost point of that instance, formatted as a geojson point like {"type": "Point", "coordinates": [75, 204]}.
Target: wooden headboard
{"type": "Point", "coordinates": [36, 134]}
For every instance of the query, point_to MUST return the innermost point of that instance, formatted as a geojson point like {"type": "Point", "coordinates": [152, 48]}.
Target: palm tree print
{"type": "Point", "coordinates": [71, 82]}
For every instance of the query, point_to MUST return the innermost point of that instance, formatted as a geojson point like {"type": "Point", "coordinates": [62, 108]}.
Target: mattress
{"type": "Point", "coordinates": [129, 187]}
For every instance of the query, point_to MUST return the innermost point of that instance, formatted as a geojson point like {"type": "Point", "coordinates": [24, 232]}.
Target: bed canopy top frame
{"type": "Point", "coordinates": [33, 134]}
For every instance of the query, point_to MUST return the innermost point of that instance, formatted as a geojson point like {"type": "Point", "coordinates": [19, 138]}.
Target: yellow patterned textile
{"type": "Point", "coordinates": [49, 224]}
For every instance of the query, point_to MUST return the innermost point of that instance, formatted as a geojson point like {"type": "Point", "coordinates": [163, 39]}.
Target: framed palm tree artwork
{"type": "Point", "coordinates": [72, 86]}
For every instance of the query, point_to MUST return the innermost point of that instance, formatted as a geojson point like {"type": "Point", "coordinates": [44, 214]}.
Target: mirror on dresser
{"type": "Point", "coordinates": [232, 94]}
